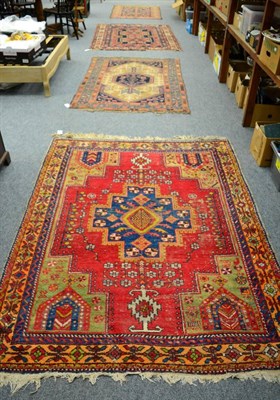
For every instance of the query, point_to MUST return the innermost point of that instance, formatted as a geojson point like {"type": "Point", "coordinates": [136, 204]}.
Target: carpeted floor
{"type": "Point", "coordinates": [27, 121]}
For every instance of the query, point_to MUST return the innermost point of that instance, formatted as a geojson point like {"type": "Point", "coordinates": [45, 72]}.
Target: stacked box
{"type": "Point", "coordinates": [262, 137]}
{"type": "Point", "coordinates": [234, 69]}
{"type": "Point", "coordinates": [270, 55]}
{"type": "Point", "coordinates": [223, 6]}
{"type": "Point", "coordinates": [241, 88]}
{"type": "Point", "coordinates": [215, 43]}
{"type": "Point", "coordinates": [265, 112]}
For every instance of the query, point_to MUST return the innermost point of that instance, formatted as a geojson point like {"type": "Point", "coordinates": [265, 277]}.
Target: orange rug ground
{"type": "Point", "coordinates": [143, 257]}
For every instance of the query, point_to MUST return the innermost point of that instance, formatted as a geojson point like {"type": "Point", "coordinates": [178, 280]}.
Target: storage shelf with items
{"type": "Point", "coordinates": [258, 16]}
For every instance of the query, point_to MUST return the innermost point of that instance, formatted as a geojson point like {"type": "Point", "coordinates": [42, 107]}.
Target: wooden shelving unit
{"type": "Point", "coordinates": [232, 33]}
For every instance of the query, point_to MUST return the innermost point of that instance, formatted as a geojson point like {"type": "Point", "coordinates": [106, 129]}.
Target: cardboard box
{"type": "Point", "coordinates": [237, 20]}
{"type": "Point", "coordinates": [234, 69]}
{"type": "Point", "coordinates": [240, 91]}
{"type": "Point", "coordinates": [265, 112]}
{"type": "Point", "coordinates": [260, 146]}
{"type": "Point", "coordinates": [177, 4]}
{"type": "Point", "coordinates": [215, 44]}
{"type": "Point", "coordinates": [223, 6]}
{"type": "Point", "coordinates": [246, 96]}
{"type": "Point", "coordinates": [270, 55]}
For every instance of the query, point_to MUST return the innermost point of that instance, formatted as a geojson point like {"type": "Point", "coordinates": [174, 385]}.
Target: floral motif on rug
{"type": "Point", "coordinates": [136, 12]}
{"type": "Point", "coordinates": [134, 37]}
{"type": "Point", "coordinates": [140, 256]}
{"type": "Point", "coordinates": [132, 84]}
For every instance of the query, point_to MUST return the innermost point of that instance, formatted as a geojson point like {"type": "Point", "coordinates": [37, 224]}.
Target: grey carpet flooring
{"type": "Point", "coordinates": [27, 121]}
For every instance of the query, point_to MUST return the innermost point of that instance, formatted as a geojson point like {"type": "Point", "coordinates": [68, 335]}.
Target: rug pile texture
{"type": "Point", "coordinates": [140, 256]}
{"type": "Point", "coordinates": [135, 37]}
{"type": "Point", "coordinates": [132, 84]}
{"type": "Point", "coordinates": [136, 12]}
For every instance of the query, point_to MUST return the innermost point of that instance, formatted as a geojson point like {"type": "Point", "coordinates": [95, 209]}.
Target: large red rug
{"type": "Point", "coordinates": [140, 256]}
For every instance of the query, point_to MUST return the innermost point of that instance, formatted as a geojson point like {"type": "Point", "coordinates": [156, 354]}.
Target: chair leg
{"type": "Point", "coordinates": [61, 25]}
{"type": "Point", "coordinates": [75, 27]}
{"type": "Point", "coordinates": [82, 20]}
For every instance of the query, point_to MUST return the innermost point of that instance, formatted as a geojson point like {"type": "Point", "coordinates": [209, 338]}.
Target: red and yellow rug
{"type": "Point", "coordinates": [134, 37]}
{"type": "Point", "coordinates": [140, 257]}
{"type": "Point", "coordinates": [132, 84]}
{"type": "Point", "coordinates": [136, 12]}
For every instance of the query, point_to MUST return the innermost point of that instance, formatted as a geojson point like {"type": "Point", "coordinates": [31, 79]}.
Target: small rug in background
{"type": "Point", "coordinates": [132, 84]}
{"type": "Point", "coordinates": [142, 257]}
{"type": "Point", "coordinates": [135, 12]}
{"type": "Point", "coordinates": [134, 37]}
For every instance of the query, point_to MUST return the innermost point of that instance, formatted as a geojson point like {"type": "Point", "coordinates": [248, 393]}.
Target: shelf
{"type": "Point", "coordinates": [240, 38]}
{"type": "Point", "coordinates": [231, 34]}
{"type": "Point", "coordinates": [218, 14]}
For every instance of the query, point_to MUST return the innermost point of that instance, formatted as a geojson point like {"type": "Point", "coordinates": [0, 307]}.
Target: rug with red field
{"type": "Point", "coordinates": [140, 256]}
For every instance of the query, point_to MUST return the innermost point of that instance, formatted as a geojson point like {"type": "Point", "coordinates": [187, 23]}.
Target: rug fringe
{"type": "Point", "coordinates": [18, 381]}
{"type": "Point", "coordinates": [102, 136]}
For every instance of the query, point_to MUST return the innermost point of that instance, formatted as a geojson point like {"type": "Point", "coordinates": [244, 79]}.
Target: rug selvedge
{"type": "Point", "coordinates": [140, 257]}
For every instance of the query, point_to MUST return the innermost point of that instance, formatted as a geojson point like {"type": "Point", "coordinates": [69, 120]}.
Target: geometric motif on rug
{"type": "Point", "coordinates": [134, 37]}
{"type": "Point", "coordinates": [135, 12]}
{"type": "Point", "coordinates": [140, 256]}
{"type": "Point", "coordinates": [132, 84]}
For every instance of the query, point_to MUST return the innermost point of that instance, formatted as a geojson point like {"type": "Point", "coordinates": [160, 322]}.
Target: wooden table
{"type": "Point", "coordinates": [59, 47]}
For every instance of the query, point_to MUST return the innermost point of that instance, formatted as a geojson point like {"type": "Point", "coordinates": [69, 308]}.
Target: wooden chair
{"type": "Point", "coordinates": [63, 11]}
{"type": "Point", "coordinates": [26, 7]}
{"type": "Point", "coordinates": [7, 8]}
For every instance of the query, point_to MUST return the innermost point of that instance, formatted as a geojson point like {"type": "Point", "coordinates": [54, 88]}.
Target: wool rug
{"type": "Point", "coordinates": [134, 37]}
{"type": "Point", "coordinates": [136, 12]}
{"type": "Point", "coordinates": [140, 256]}
{"type": "Point", "coordinates": [132, 84]}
